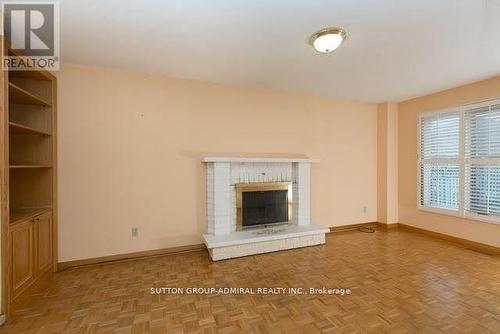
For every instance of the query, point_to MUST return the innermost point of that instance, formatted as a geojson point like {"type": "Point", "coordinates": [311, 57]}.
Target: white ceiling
{"type": "Point", "coordinates": [395, 49]}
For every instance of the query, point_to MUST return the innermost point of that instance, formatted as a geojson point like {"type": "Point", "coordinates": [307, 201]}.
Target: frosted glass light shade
{"type": "Point", "coordinates": [327, 40]}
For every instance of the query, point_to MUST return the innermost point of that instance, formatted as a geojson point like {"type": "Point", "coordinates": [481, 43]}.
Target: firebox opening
{"type": "Point", "coordinates": [264, 207]}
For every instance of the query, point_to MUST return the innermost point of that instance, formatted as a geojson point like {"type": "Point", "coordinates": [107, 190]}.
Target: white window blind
{"type": "Point", "coordinates": [482, 160]}
{"type": "Point", "coordinates": [459, 161]}
{"type": "Point", "coordinates": [439, 160]}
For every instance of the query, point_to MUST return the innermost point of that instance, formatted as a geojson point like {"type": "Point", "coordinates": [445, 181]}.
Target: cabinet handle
{"type": "Point", "coordinates": [36, 220]}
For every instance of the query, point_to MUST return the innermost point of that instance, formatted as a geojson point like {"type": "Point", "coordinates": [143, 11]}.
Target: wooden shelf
{"type": "Point", "coordinates": [29, 166]}
{"type": "Point", "coordinates": [35, 75]}
{"type": "Point", "coordinates": [17, 215]}
{"type": "Point", "coordinates": [23, 129]}
{"type": "Point", "coordinates": [18, 95]}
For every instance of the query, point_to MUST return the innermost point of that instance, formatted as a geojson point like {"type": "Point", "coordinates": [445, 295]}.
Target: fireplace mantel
{"type": "Point", "coordinates": [255, 159]}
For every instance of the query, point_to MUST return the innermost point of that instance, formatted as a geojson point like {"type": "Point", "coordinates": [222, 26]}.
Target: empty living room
{"type": "Point", "coordinates": [248, 166]}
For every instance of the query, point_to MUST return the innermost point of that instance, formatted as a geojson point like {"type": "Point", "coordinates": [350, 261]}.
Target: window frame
{"type": "Point", "coordinates": [461, 160]}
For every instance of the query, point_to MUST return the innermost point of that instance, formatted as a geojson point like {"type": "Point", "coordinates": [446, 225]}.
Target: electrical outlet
{"type": "Point", "coordinates": [135, 232]}
{"type": "Point", "coordinates": [364, 209]}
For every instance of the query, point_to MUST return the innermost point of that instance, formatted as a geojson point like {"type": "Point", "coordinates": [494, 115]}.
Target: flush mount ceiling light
{"type": "Point", "coordinates": [328, 39]}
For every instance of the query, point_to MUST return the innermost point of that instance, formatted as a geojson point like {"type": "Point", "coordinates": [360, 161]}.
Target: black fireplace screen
{"type": "Point", "coordinates": [264, 207]}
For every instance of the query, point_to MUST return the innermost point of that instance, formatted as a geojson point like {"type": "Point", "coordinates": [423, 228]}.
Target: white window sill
{"type": "Point", "coordinates": [455, 213]}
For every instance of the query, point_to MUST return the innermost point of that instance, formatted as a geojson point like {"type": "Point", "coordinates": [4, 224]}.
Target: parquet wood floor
{"type": "Point", "coordinates": [401, 282]}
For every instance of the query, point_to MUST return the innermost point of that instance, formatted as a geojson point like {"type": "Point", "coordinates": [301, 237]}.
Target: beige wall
{"type": "Point", "coordinates": [408, 214]}
{"type": "Point", "coordinates": [382, 163]}
{"type": "Point", "coordinates": [387, 163]}
{"type": "Point", "coordinates": [130, 148]}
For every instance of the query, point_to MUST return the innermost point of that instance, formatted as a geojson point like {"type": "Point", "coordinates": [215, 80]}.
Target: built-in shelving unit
{"type": "Point", "coordinates": [31, 142]}
{"type": "Point", "coordinates": [28, 179]}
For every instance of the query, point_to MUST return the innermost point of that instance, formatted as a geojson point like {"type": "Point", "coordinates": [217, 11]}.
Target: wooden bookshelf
{"type": "Point", "coordinates": [28, 181]}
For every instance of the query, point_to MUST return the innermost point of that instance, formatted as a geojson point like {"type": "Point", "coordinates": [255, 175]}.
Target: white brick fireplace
{"type": "Point", "coordinates": [224, 240]}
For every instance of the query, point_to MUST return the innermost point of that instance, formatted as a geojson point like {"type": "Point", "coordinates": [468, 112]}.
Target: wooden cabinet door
{"type": "Point", "coordinates": [43, 237]}
{"type": "Point", "coordinates": [22, 252]}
